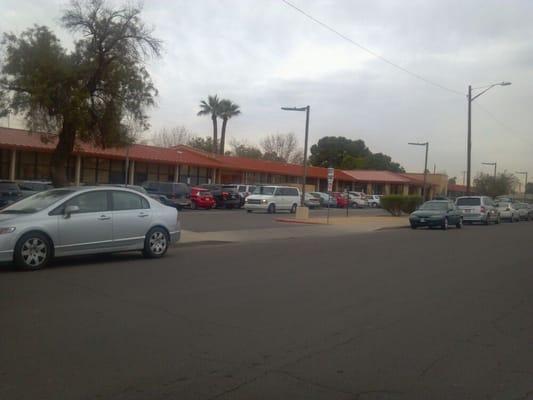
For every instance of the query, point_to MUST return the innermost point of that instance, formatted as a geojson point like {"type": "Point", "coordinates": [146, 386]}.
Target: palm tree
{"type": "Point", "coordinates": [228, 109]}
{"type": "Point", "coordinates": [211, 107]}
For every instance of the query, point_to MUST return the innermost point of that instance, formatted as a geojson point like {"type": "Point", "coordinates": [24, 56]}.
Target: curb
{"type": "Point", "coordinates": [296, 221]}
{"type": "Point", "coordinates": [391, 228]}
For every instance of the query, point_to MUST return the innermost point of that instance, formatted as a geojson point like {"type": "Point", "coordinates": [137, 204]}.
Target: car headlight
{"type": "Point", "coordinates": [9, 229]}
{"type": "Point", "coordinates": [264, 201]}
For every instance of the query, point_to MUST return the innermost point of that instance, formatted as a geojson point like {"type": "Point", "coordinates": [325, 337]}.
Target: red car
{"type": "Point", "coordinates": [202, 198]}
{"type": "Point", "coordinates": [342, 201]}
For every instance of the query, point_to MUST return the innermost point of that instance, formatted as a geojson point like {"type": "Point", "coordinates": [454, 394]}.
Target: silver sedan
{"type": "Point", "coordinates": [85, 220]}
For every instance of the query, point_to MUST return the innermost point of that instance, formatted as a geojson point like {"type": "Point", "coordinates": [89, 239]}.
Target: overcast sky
{"type": "Point", "coordinates": [262, 54]}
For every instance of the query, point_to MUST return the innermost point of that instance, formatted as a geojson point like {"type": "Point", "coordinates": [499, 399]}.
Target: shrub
{"type": "Point", "coordinates": [396, 204]}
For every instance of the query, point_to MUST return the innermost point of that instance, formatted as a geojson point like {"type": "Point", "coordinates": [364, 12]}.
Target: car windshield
{"type": "Point", "coordinates": [469, 201]}
{"type": "Point", "coordinates": [37, 202]}
{"type": "Point", "coordinates": [268, 190]}
{"type": "Point", "coordinates": [434, 205]}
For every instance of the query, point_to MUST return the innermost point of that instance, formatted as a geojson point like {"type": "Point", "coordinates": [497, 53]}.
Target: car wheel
{"type": "Point", "coordinates": [271, 209]}
{"type": "Point", "coordinates": [459, 225]}
{"type": "Point", "coordinates": [32, 251]}
{"type": "Point", "coordinates": [413, 226]}
{"type": "Point", "coordinates": [293, 208]}
{"type": "Point", "coordinates": [249, 211]}
{"type": "Point", "coordinates": [444, 225]}
{"type": "Point", "coordinates": [498, 220]}
{"type": "Point", "coordinates": [155, 243]}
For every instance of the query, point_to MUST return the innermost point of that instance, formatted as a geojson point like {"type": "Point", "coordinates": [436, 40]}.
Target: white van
{"type": "Point", "coordinates": [273, 198]}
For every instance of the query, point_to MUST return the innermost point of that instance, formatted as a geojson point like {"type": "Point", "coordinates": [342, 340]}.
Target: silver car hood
{"type": "Point", "coordinates": [8, 217]}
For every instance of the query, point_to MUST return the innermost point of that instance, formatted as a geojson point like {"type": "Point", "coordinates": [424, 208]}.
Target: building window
{"type": "Point", "coordinates": [5, 159]}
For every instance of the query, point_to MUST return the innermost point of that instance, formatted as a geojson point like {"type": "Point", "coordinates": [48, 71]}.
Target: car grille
{"type": "Point", "coordinates": [254, 201]}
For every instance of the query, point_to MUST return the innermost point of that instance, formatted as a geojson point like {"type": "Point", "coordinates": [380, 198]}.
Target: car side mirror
{"type": "Point", "coordinates": [70, 210]}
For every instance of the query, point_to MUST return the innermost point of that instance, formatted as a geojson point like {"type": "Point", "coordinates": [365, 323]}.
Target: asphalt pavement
{"type": "Point", "coordinates": [398, 314]}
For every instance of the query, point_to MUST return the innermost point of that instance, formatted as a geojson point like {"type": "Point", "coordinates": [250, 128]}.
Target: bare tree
{"type": "Point", "coordinates": [172, 137]}
{"type": "Point", "coordinates": [282, 146]}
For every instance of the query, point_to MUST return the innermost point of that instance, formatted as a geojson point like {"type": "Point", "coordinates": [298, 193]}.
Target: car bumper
{"type": "Point", "coordinates": [506, 214]}
{"type": "Point", "coordinates": [263, 207]}
{"type": "Point", "coordinates": [175, 237]}
{"type": "Point", "coordinates": [426, 222]}
{"type": "Point", "coordinates": [474, 217]}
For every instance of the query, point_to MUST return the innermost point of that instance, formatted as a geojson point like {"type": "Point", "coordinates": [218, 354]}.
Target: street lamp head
{"type": "Point", "coordinates": [418, 144]}
{"type": "Point", "coordinates": [505, 83]}
{"type": "Point", "coordinates": [294, 108]}
{"type": "Point", "coordinates": [488, 163]}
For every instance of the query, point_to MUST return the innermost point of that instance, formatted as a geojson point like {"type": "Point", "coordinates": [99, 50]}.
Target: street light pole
{"type": "Point", "coordinates": [525, 182]}
{"type": "Point", "coordinates": [307, 109]}
{"type": "Point", "coordinates": [470, 99]}
{"type": "Point", "coordinates": [425, 166]}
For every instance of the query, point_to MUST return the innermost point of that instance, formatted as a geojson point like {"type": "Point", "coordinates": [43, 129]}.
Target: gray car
{"type": "Point", "coordinates": [85, 220]}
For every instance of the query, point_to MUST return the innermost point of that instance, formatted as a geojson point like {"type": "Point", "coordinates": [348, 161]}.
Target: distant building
{"type": "Point", "coordinates": [24, 155]}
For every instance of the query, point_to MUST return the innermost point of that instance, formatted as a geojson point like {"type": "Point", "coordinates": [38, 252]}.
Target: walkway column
{"type": "Point", "coordinates": [77, 171]}
{"type": "Point", "coordinates": [131, 173]}
{"type": "Point", "coordinates": [369, 188]}
{"type": "Point", "coordinates": [317, 184]}
{"type": "Point", "coordinates": [387, 189]}
{"type": "Point", "coordinates": [177, 173]}
{"type": "Point", "coordinates": [12, 165]}
{"type": "Point", "coordinates": [406, 190]}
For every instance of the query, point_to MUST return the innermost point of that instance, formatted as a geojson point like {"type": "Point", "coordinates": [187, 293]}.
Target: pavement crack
{"type": "Point", "coordinates": [311, 382]}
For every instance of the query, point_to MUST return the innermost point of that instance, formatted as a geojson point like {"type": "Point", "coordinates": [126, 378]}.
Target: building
{"type": "Point", "coordinates": [27, 156]}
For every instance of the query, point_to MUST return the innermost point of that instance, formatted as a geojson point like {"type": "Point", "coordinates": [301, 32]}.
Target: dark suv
{"type": "Point", "coordinates": [9, 193]}
{"type": "Point", "coordinates": [226, 196]}
{"type": "Point", "coordinates": [177, 193]}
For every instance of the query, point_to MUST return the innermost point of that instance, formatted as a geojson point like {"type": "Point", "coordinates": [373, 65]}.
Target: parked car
{"type": "Point", "coordinates": [84, 220]}
{"type": "Point", "coordinates": [325, 198]}
{"type": "Point", "coordinates": [177, 193]}
{"type": "Point", "coordinates": [478, 209]}
{"type": "Point", "coordinates": [439, 213]}
{"type": "Point", "coordinates": [311, 201]}
{"type": "Point", "coordinates": [9, 193]}
{"type": "Point", "coordinates": [525, 210]}
{"type": "Point", "coordinates": [508, 211]}
{"type": "Point", "coordinates": [226, 196]}
{"type": "Point", "coordinates": [245, 190]}
{"type": "Point", "coordinates": [358, 200]}
{"type": "Point", "coordinates": [340, 198]}
{"type": "Point", "coordinates": [31, 187]}
{"type": "Point", "coordinates": [273, 198]}
{"type": "Point", "coordinates": [162, 199]}
{"type": "Point", "coordinates": [202, 198]}
{"type": "Point", "coordinates": [137, 188]}
{"type": "Point", "coordinates": [374, 200]}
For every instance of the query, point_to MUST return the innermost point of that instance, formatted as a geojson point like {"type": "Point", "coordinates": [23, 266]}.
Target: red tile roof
{"type": "Point", "coordinates": [23, 140]}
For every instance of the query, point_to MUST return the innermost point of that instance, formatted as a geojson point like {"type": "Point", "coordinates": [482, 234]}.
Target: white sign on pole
{"type": "Point", "coordinates": [331, 176]}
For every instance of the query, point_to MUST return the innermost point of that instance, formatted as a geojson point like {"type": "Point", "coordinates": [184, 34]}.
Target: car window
{"type": "Point", "coordinates": [469, 201]}
{"type": "Point", "coordinates": [8, 187]}
{"type": "Point", "coordinates": [128, 201]}
{"type": "Point", "coordinates": [434, 205]}
{"type": "Point", "coordinates": [242, 189]}
{"type": "Point", "coordinates": [267, 190]}
{"type": "Point", "coordinates": [37, 202]}
{"type": "Point", "coordinates": [90, 202]}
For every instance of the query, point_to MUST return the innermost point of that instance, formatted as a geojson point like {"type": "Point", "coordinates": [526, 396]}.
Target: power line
{"type": "Point", "coordinates": [361, 47]}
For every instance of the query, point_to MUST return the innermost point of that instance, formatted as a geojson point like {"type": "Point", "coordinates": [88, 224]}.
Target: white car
{"type": "Point", "coordinates": [374, 200]}
{"type": "Point", "coordinates": [509, 211]}
{"type": "Point", "coordinates": [358, 199]}
{"type": "Point", "coordinates": [273, 198]}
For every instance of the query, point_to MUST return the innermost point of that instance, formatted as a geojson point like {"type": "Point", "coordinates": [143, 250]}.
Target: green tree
{"type": "Point", "coordinates": [211, 107]}
{"type": "Point", "coordinates": [487, 185]}
{"type": "Point", "coordinates": [227, 110]}
{"type": "Point", "coordinates": [201, 143]}
{"type": "Point", "coordinates": [380, 161]}
{"type": "Point", "coordinates": [332, 151]}
{"type": "Point", "coordinates": [529, 188]}
{"type": "Point", "coordinates": [240, 149]}
{"type": "Point", "coordinates": [452, 181]}
{"type": "Point", "coordinates": [88, 93]}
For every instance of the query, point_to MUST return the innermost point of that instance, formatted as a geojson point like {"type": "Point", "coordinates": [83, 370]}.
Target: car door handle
{"type": "Point", "coordinates": [143, 214]}
{"type": "Point", "coordinates": [103, 217]}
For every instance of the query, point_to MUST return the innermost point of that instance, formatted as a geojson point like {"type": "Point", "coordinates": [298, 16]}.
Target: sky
{"type": "Point", "coordinates": [263, 54]}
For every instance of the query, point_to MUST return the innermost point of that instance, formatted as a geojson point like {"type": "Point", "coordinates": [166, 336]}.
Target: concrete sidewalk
{"type": "Point", "coordinates": [313, 227]}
